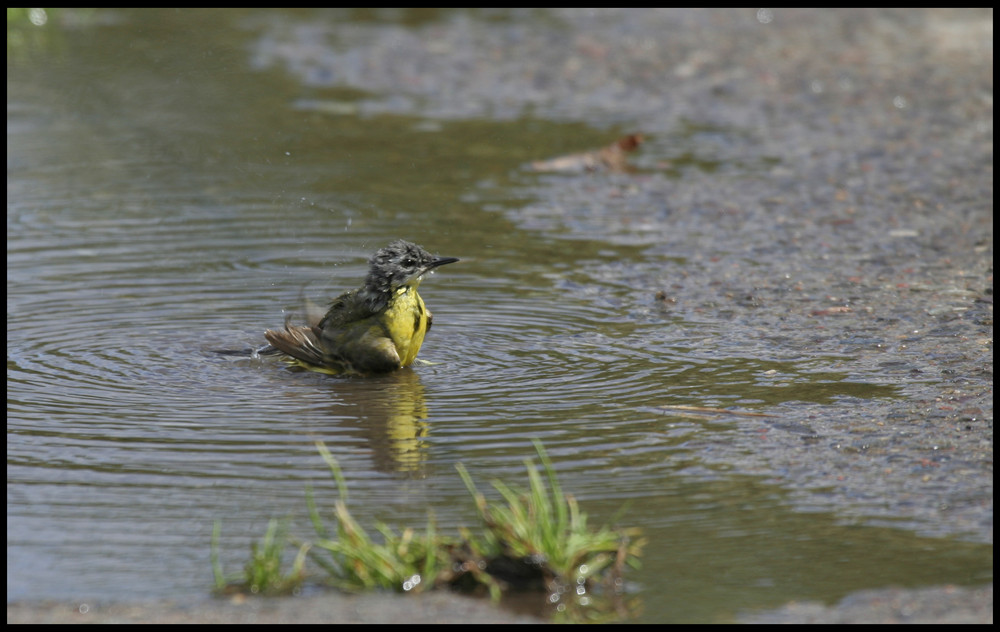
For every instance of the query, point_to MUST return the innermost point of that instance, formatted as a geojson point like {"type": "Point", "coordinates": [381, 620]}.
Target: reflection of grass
{"type": "Point", "coordinates": [536, 539]}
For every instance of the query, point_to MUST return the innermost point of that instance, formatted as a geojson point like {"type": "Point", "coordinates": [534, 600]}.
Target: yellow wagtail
{"type": "Point", "coordinates": [375, 329]}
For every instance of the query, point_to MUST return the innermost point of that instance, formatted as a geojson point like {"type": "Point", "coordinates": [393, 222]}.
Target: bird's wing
{"type": "Point", "coordinates": [364, 344]}
{"type": "Point", "coordinates": [355, 335]}
{"type": "Point", "coordinates": [349, 339]}
{"type": "Point", "coordinates": [346, 309]}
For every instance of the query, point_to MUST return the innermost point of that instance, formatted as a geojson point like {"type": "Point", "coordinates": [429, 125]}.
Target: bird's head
{"type": "Point", "coordinates": [400, 264]}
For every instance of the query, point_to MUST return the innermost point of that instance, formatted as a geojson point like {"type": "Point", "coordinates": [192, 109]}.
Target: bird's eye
{"type": "Point", "coordinates": [409, 263]}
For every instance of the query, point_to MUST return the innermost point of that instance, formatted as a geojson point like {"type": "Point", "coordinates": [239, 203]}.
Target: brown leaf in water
{"type": "Point", "coordinates": [838, 309]}
{"type": "Point", "coordinates": [611, 158]}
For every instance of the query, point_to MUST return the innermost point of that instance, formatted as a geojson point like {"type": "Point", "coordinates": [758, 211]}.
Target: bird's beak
{"type": "Point", "coordinates": [440, 261]}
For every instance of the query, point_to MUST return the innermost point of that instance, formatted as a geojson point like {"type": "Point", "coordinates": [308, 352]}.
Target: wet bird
{"type": "Point", "coordinates": [374, 329]}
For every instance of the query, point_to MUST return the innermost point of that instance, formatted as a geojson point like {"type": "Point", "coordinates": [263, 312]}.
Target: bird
{"type": "Point", "coordinates": [377, 328]}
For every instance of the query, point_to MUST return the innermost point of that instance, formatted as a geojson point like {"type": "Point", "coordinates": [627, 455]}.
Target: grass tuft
{"type": "Point", "coordinates": [262, 573]}
{"type": "Point", "coordinates": [534, 539]}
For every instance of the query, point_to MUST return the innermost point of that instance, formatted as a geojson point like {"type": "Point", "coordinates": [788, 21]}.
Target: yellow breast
{"type": "Point", "coordinates": [406, 323]}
